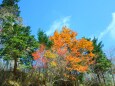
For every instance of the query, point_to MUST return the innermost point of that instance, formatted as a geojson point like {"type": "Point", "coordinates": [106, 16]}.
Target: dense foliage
{"type": "Point", "coordinates": [58, 60]}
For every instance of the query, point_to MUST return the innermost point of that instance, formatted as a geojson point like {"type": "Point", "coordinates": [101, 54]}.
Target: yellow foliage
{"type": "Point", "coordinates": [49, 54]}
{"type": "Point", "coordinates": [53, 64]}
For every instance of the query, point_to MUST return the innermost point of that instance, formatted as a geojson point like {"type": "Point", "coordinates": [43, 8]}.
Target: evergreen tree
{"type": "Point", "coordinates": [15, 37]}
{"type": "Point", "coordinates": [11, 4]}
{"type": "Point", "coordinates": [102, 63]}
{"type": "Point", "coordinates": [44, 39]}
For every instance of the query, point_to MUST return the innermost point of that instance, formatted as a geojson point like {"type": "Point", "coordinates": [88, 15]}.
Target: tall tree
{"type": "Point", "coordinates": [73, 55]}
{"type": "Point", "coordinates": [102, 63]}
{"type": "Point", "coordinates": [17, 41]}
{"type": "Point", "coordinates": [16, 38]}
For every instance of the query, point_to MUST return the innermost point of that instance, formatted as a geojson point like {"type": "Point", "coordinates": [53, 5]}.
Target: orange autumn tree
{"type": "Point", "coordinates": [72, 54]}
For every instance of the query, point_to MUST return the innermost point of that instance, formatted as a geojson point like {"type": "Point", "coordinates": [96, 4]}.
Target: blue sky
{"type": "Point", "coordinates": [88, 18]}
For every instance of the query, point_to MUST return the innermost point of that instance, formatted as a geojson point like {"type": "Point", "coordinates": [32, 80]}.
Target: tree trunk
{"type": "Point", "coordinates": [99, 80]}
{"type": "Point", "coordinates": [112, 77]}
{"type": "Point", "coordinates": [15, 66]}
{"type": "Point", "coordinates": [104, 79]}
{"type": "Point", "coordinates": [77, 80]}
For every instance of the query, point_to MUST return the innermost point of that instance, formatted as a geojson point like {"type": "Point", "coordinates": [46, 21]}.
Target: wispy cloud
{"type": "Point", "coordinates": [110, 30]}
{"type": "Point", "coordinates": [58, 24]}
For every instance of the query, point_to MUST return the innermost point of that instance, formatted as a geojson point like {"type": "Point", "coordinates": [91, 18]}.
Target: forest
{"type": "Point", "coordinates": [57, 60]}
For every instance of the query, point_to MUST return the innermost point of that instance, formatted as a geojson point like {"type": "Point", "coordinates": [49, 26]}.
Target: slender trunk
{"type": "Point", "coordinates": [99, 80]}
{"type": "Point", "coordinates": [15, 66]}
{"type": "Point", "coordinates": [7, 63]}
{"type": "Point", "coordinates": [112, 76]}
{"type": "Point", "coordinates": [40, 80]}
{"type": "Point", "coordinates": [44, 77]}
{"type": "Point", "coordinates": [104, 79]}
{"type": "Point", "coordinates": [77, 80]}
{"type": "Point", "coordinates": [39, 71]}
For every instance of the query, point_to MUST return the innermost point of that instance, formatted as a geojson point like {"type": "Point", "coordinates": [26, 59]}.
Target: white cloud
{"type": "Point", "coordinates": [58, 24]}
{"type": "Point", "coordinates": [110, 29]}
